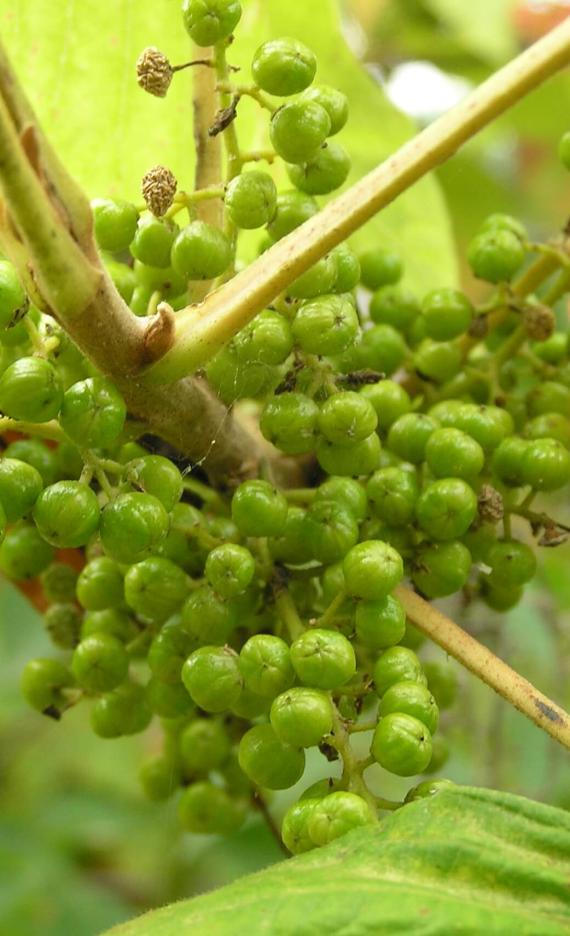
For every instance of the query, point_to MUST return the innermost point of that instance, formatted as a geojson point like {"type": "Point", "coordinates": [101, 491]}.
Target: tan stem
{"type": "Point", "coordinates": [209, 171]}
{"type": "Point", "coordinates": [200, 333]}
{"type": "Point", "coordinates": [486, 666]}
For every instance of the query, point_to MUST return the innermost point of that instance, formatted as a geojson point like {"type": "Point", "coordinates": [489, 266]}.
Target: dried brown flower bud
{"type": "Point", "coordinates": [539, 322]}
{"type": "Point", "coordinates": [490, 503]}
{"type": "Point", "coordinates": [159, 188]}
{"type": "Point", "coordinates": [154, 72]}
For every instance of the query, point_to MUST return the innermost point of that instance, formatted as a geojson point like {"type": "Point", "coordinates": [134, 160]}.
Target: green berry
{"type": "Point", "coordinates": [132, 526]}
{"type": "Point", "coordinates": [402, 744]}
{"type": "Point", "coordinates": [159, 778]}
{"type": "Point", "coordinates": [322, 173]}
{"type": "Point", "coordinates": [212, 677]}
{"type": "Point", "coordinates": [390, 401]}
{"type": "Point", "coordinates": [347, 493]}
{"type": "Point", "coordinates": [109, 621]}
{"type": "Point", "coordinates": [209, 21]}
{"type": "Point", "coordinates": [496, 255]}
{"type": "Point", "coordinates": [30, 390]}
{"type": "Point", "coordinates": [347, 269]}
{"type": "Point", "coordinates": [316, 281]}
{"type": "Point", "coordinates": [507, 460]}
{"type": "Point", "coordinates": [168, 700]}
{"type": "Point", "coordinates": [301, 716]}
{"type": "Point", "coordinates": [442, 682]}
{"type": "Point", "coordinates": [545, 465]}
{"type": "Point", "coordinates": [414, 699]}
{"type": "Point", "coordinates": [409, 436]}
{"type": "Point", "coordinates": [451, 453]}
{"type": "Point", "coordinates": [204, 745]}
{"type": "Point", "coordinates": [93, 413]}
{"type": "Point", "coordinates": [115, 223]}
{"type": "Point", "coordinates": [396, 665]}
{"type": "Point", "coordinates": [258, 509]}
{"type": "Point", "coordinates": [62, 621]}
{"type": "Point", "coordinates": [251, 199]}
{"type": "Point", "coordinates": [266, 340]}
{"type": "Point", "coordinates": [395, 306]}
{"type": "Point", "coordinates": [156, 475]}
{"type": "Point", "coordinates": [352, 461]}
{"type": "Point", "coordinates": [323, 659]}
{"type": "Point", "coordinates": [447, 313]}
{"type": "Point", "coordinates": [124, 711]}
{"type": "Point", "coordinates": [59, 582]}
{"type": "Point", "coordinates": [201, 252]}
{"type": "Point", "coordinates": [330, 530]}
{"type": "Point", "coordinates": [24, 554]}
{"type": "Point", "coordinates": [512, 563]}
{"type": "Point", "coordinates": [293, 209]}
{"type": "Point", "coordinates": [169, 651]}
{"type": "Point", "coordinates": [294, 829]}
{"type": "Point", "coordinates": [267, 761]}
{"type": "Point", "coordinates": [205, 809]}
{"type": "Point", "coordinates": [346, 418]}
{"type": "Point", "coordinates": [337, 814]}
{"type": "Point", "coordinates": [291, 545]}
{"type": "Point", "coordinates": [43, 684]}
{"type": "Point", "coordinates": [230, 569]}
{"type": "Point", "coordinates": [265, 665]}
{"type": "Point", "coordinates": [441, 569]}
{"type": "Point", "coordinates": [298, 129]}
{"type": "Point", "coordinates": [208, 617]}
{"type": "Point", "coordinates": [153, 241]}
{"type": "Point", "coordinates": [14, 303]}
{"type": "Point", "coordinates": [155, 588]}
{"type": "Point", "coordinates": [393, 492]}
{"type": "Point", "coordinates": [372, 569]}
{"type": "Point", "coordinates": [380, 624]}
{"type": "Point", "coordinates": [380, 267]}
{"type": "Point", "coordinates": [437, 361]}
{"type": "Point", "coordinates": [446, 509]}
{"type": "Point", "coordinates": [100, 663]}
{"type": "Point", "coordinates": [289, 421]}
{"type": "Point", "coordinates": [20, 487]}
{"type": "Point", "coordinates": [100, 584]}
{"type": "Point", "coordinates": [382, 349]}
{"type": "Point", "coordinates": [334, 102]}
{"type": "Point", "coordinates": [504, 222]}
{"type": "Point", "coordinates": [283, 67]}
{"type": "Point", "coordinates": [67, 514]}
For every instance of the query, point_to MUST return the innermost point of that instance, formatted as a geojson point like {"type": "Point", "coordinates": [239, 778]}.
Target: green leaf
{"type": "Point", "coordinates": [484, 29]}
{"type": "Point", "coordinates": [465, 861]}
{"type": "Point", "coordinates": [76, 61]}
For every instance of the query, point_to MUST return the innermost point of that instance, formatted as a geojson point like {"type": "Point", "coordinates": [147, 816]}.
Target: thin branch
{"type": "Point", "coordinates": [258, 801]}
{"type": "Point", "coordinates": [201, 333]}
{"type": "Point", "coordinates": [486, 666]}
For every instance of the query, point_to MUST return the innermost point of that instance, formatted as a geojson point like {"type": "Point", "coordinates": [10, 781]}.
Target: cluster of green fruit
{"type": "Point", "coordinates": [260, 623]}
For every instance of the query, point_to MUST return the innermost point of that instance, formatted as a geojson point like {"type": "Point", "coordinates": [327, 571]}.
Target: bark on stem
{"type": "Point", "coordinates": [201, 332]}
{"type": "Point", "coordinates": [486, 666]}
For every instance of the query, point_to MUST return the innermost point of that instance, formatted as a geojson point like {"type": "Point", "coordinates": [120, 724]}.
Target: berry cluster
{"type": "Point", "coordinates": [258, 623]}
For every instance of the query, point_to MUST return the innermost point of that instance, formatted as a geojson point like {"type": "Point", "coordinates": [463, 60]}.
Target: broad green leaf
{"type": "Point", "coordinates": [465, 861]}
{"type": "Point", "coordinates": [484, 29]}
{"type": "Point", "coordinates": [76, 61]}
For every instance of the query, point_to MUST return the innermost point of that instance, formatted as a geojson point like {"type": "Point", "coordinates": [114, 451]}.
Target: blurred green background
{"type": "Point", "coordinates": [80, 849]}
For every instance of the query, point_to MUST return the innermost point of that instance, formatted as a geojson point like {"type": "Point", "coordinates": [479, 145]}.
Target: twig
{"type": "Point", "coordinates": [486, 666]}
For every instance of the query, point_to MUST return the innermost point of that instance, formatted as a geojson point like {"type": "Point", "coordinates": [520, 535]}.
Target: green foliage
{"type": "Point", "coordinates": [484, 861]}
